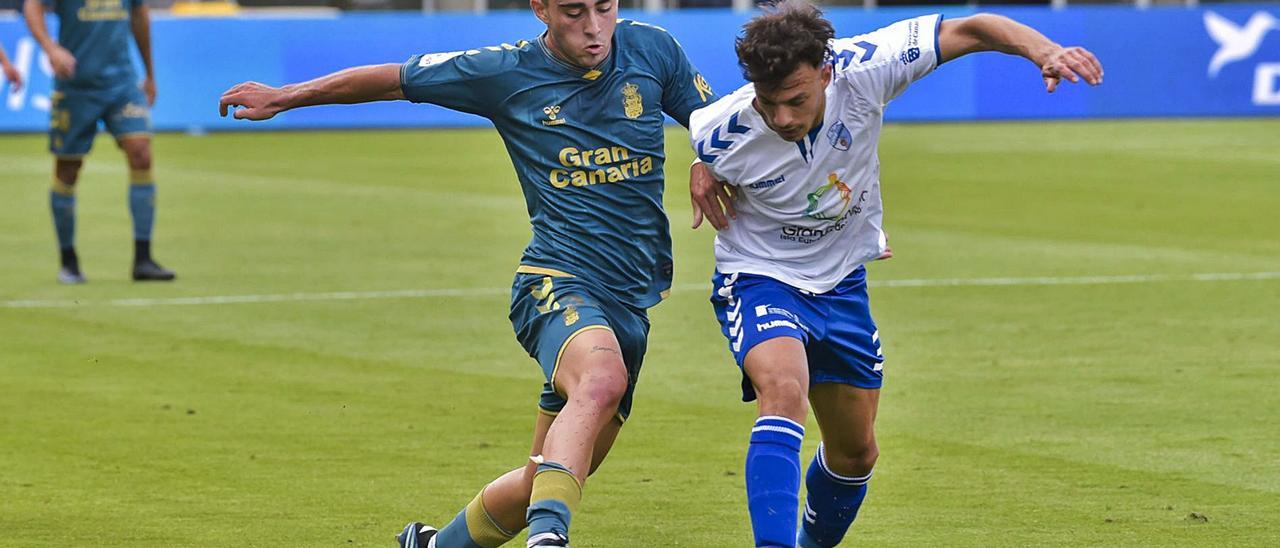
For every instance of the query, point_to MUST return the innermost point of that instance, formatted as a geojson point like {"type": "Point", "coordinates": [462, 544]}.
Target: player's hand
{"type": "Point", "coordinates": [148, 87]}
{"type": "Point", "coordinates": [710, 197]}
{"type": "Point", "coordinates": [888, 251]}
{"type": "Point", "coordinates": [252, 101]}
{"type": "Point", "coordinates": [63, 63]}
{"type": "Point", "coordinates": [14, 77]}
{"type": "Point", "coordinates": [1072, 63]}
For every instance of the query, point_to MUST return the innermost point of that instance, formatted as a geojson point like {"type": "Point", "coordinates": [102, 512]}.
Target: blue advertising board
{"type": "Point", "coordinates": [1222, 60]}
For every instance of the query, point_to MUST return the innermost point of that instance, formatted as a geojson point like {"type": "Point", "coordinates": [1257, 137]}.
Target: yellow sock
{"type": "Point", "coordinates": [480, 525]}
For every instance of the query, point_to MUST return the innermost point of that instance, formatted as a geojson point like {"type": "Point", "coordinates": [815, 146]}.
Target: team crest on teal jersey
{"type": "Point", "coordinates": [632, 102]}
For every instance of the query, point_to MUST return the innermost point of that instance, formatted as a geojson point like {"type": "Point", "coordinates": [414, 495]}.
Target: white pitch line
{"type": "Point", "coordinates": [1082, 280]}
{"type": "Point", "coordinates": [242, 299]}
{"type": "Point", "coordinates": [485, 292]}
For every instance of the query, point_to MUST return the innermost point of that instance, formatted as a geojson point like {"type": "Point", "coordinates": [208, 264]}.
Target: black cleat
{"type": "Point", "coordinates": [554, 539]}
{"type": "Point", "coordinates": [149, 271]}
{"type": "Point", "coordinates": [416, 535]}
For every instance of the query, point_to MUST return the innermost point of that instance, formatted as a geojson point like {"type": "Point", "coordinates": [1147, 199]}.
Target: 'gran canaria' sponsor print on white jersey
{"type": "Point", "coordinates": [809, 211]}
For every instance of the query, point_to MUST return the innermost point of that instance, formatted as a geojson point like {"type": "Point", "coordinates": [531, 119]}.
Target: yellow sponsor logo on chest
{"type": "Point", "coordinates": [611, 164]}
{"type": "Point", "coordinates": [102, 10]}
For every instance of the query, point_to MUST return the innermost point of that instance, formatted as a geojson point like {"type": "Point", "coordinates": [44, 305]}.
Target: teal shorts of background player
{"type": "Point", "coordinates": [104, 87]}
{"type": "Point", "coordinates": [76, 113]}
{"type": "Point", "coordinates": [547, 312]}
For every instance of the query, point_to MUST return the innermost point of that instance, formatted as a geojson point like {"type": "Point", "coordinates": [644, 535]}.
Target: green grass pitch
{"type": "Point", "coordinates": [1140, 409]}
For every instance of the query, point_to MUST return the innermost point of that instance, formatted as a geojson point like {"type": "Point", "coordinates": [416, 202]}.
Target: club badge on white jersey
{"type": "Point", "coordinates": [810, 211]}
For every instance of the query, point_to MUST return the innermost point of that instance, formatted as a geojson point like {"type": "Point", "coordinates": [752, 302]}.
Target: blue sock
{"type": "Point", "coordinates": [555, 496]}
{"type": "Point", "coordinates": [832, 503]}
{"type": "Point", "coordinates": [63, 206]}
{"type": "Point", "coordinates": [473, 528]}
{"type": "Point", "coordinates": [773, 480]}
{"type": "Point", "coordinates": [142, 205]}
{"type": "Point", "coordinates": [455, 534]}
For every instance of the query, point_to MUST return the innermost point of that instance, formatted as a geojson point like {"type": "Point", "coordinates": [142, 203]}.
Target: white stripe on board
{"type": "Point", "coordinates": [485, 292]}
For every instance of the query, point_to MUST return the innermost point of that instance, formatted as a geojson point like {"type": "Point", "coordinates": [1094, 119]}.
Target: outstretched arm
{"type": "Point", "coordinates": [986, 32]}
{"type": "Point", "coordinates": [10, 73]}
{"type": "Point", "coordinates": [354, 85]}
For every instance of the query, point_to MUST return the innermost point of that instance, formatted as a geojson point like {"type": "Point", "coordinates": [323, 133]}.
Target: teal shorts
{"type": "Point", "coordinates": [549, 308]}
{"type": "Point", "coordinates": [75, 114]}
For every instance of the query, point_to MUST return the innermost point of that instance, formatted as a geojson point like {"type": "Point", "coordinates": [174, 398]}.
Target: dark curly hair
{"type": "Point", "coordinates": [774, 44]}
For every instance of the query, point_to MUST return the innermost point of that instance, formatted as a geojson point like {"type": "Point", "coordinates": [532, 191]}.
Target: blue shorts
{"type": "Point", "coordinates": [840, 338]}
{"type": "Point", "coordinates": [549, 309]}
{"type": "Point", "coordinates": [75, 113]}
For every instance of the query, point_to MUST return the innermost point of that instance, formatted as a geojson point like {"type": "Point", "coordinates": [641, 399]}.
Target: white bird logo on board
{"type": "Point", "coordinates": [1236, 42]}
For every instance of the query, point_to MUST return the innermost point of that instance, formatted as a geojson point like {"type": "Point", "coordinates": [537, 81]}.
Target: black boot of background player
{"type": "Point", "coordinates": [145, 268]}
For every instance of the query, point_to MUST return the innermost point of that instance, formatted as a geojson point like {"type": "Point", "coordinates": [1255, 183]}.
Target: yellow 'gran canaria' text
{"type": "Point", "coordinates": [600, 165]}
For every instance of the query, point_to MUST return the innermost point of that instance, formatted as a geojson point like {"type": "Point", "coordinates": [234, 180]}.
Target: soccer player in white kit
{"type": "Point", "coordinates": [797, 146]}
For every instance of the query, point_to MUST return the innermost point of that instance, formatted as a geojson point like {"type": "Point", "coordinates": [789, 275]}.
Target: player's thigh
{"type": "Point", "coordinates": [846, 416]}
{"type": "Point", "coordinates": [73, 123]}
{"type": "Point", "coordinates": [578, 334]}
{"type": "Point", "coordinates": [128, 118]}
{"type": "Point", "coordinates": [779, 371]}
{"type": "Point", "coordinates": [591, 366]}
{"type": "Point", "coordinates": [753, 312]}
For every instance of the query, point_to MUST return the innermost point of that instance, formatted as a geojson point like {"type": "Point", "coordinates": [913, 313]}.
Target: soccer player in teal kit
{"type": "Point", "coordinates": [580, 109]}
{"type": "Point", "coordinates": [94, 80]}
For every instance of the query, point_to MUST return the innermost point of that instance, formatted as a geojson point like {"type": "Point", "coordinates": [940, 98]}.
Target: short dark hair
{"type": "Point", "coordinates": [772, 45]}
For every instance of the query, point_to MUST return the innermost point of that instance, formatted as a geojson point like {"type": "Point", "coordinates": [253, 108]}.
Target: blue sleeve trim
{"type": "Point", "coordinates": [937, 51]}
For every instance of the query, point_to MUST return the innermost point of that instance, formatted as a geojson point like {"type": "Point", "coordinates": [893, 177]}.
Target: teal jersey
{"type": "Point", "coordinates": [98, 34]}
{"type": "Point", "coordinates": [587, 146]}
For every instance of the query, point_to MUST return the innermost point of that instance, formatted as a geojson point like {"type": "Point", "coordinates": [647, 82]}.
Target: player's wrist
{"type": "Point", "coordinates": [1045, 53]}
{"type": "Point", "coordinates": [289, 97]}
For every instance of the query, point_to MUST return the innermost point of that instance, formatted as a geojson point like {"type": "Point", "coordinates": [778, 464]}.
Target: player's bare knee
{"type": "Point", "coordinates": [139, 157]}
{"type": "Point", "coordinates": [783, 395]}
{"type": "Point", "coordinates": [851, 459]}
{"type": "Point", "coordinates": [67, 171]}
{"type": "Point", "coordinates": [602, 392]}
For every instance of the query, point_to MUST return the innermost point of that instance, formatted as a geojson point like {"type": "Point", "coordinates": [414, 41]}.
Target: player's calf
{"type": "Point", "coordinates": [834, 498]}
{"type": "Point", "coordinates": [557, 484]}
{"type": "Point", "coordinates": [62, 206]}
{"type": "Point", "coordinates": [593, 378]}
{"type": "Point", "coordinates": [778, 371]}
{"type": "Point", "coordinates": [142, 208]}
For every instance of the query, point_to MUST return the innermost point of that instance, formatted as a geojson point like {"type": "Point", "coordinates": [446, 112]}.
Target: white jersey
{"type": "Point", "coordinates": [809, 212]}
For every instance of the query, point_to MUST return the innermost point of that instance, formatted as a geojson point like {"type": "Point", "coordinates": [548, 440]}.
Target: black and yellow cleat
{"type": "Point", "coordinates": [149, 271]}
{"type": "Point", "coordinates": [417, 535]}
